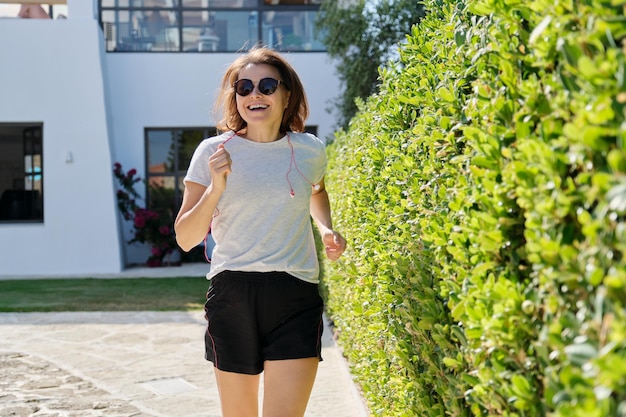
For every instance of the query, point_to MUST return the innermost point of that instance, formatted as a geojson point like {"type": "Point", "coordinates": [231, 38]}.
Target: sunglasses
{"type": "Point", "coordinates": [267, 86]}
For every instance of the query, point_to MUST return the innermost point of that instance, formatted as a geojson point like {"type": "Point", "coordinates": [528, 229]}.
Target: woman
{"type": "Point", "coordinates": [257, 186]}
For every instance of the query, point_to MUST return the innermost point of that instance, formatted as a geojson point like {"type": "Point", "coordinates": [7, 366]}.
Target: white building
{"type": "Point", "coordinates": [109, 85]}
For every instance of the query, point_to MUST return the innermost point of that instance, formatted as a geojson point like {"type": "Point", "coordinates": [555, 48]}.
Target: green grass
{"type": "Point", "coordinates": [127, 294]}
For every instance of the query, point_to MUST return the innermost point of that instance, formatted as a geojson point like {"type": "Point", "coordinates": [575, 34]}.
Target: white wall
{"type": "Point", "coordinates": [51, 72]}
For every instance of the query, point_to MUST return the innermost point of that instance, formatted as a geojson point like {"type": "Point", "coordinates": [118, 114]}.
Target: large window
{"type": "Point", "coordinates": [168, 152]}
{"type": "Point", "coordinates": [209, 25]}
{"type": "Point", "coordinates": [21, 172]}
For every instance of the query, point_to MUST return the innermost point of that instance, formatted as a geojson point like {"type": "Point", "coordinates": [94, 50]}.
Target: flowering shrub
{"type": "Point", "coordinates": [152, 227]}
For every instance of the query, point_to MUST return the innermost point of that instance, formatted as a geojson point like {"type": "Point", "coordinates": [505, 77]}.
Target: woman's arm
{"type": "Point", "coordinates": [199, 202]}
{"type": "Point", "coordinates": [334, 243]}
{"type": "Point", "coordinates": [195, 215]}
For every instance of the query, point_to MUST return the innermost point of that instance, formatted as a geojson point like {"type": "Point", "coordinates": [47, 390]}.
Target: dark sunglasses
{"type": "Point", "coordinates": [267, 86]}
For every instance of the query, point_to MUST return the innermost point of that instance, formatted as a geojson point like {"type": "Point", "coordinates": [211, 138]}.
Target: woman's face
{"type": "Point", "coordinates": [256, 108]}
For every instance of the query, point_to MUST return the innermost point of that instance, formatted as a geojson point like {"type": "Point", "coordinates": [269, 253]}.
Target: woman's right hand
{"type": "Point", "coordinates": [220, 166]}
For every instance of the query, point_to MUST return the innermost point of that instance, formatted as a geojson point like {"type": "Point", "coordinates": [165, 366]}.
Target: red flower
{"type": "Point", "coordinates": [139, 222]}
{"type": "Point", "coordinates": [149, 226]}
{"type": "Point", "coordinates": [154, 261]}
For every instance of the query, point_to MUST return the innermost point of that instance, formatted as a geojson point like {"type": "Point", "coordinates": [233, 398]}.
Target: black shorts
{"type": "Point", "coordinates": [258, 316]}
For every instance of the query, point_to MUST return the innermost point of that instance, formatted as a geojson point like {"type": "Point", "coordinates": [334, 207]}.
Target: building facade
{"type": "Point", "coordinates": [122, 81]}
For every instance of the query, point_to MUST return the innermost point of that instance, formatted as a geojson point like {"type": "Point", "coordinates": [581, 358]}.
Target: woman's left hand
{"type": "Point", "coordinates": [334, 244]}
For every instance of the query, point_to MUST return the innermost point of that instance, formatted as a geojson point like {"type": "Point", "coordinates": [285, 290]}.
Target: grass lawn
{"type": "Point", "coordinates": [127, 294]}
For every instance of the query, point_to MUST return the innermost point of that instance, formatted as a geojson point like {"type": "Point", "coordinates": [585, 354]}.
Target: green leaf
{"type": "Point", "coordinates": [539, 29]}
{"type": "Point", "coordinates": [445, 94]}
{"type": "Point", "coordinates": [480, 8]}
{"type": "Point", "coordinates": [581, 353]}
{"type": "Point", "coordinates": [617, 198]}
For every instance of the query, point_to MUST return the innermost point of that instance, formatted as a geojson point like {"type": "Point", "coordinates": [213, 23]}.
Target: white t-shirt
{"type": "Point", "coordinates": [258, 226]}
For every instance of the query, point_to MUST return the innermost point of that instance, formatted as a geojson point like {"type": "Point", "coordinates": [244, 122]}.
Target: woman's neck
{"type": "Point", "coordinates": [263, 135]}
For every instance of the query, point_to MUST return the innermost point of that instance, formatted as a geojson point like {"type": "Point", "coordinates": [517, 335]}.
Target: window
{"type": "Point", "coordinates": [21, 172]}
{"type": "Point", "coordinates": [209, 25]}
{"type": "Point", "coordinates": [168, 152]}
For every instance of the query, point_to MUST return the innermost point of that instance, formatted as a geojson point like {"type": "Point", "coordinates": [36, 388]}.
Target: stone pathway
{"type": "Point", "coordinates": [139, 364]}
{"type": "Point", "coordinates": [32, 386]}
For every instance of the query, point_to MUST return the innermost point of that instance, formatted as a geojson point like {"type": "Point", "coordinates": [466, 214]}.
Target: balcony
{"type": "Point", "coordinates": [203, 26]}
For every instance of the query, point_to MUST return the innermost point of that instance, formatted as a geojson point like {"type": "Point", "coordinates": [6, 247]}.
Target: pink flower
{"type": "Point", "coordinates": [143, 213]}
{"type": "Point", "coordinates": [151, 227]}
{"type": "Point", "coordinates": [140, 221]}
{"type": "Point", "coordinates": [154, 262]}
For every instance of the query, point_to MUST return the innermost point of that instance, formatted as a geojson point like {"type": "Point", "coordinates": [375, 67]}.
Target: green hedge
{"type": "Point", "coordinates": [483, 194]}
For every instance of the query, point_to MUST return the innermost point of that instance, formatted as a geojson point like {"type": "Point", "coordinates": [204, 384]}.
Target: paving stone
{"type": "Point", "coordinates": [28, 392]}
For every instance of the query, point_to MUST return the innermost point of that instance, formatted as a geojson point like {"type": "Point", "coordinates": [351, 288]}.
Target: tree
{"type": "Point", "coordinates": [363, 35]}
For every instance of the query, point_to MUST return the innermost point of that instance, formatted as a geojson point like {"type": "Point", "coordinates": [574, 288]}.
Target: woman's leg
{"type": "Point", "coordinates": [239, 393]}
{"type": "Point", "coordinates": [287, 386]}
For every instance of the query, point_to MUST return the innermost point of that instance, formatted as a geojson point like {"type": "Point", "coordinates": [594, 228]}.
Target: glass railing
{"type": "Point", "coordinates": [208, 26]}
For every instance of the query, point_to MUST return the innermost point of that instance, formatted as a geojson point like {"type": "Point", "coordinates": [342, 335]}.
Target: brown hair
{"type": "Point", "coordinates": [297, 109]}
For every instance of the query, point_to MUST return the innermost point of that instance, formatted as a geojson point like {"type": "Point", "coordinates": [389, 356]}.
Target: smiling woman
{"type": "Point", "coordinates": [257, 186]}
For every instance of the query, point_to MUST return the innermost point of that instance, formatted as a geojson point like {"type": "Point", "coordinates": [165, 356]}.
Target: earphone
{"type": "Point", "coordinates": [292, 164]}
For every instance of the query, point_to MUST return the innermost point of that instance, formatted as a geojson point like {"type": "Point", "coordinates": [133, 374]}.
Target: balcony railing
{"type": "Point", "coordinates": [194, 26]}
